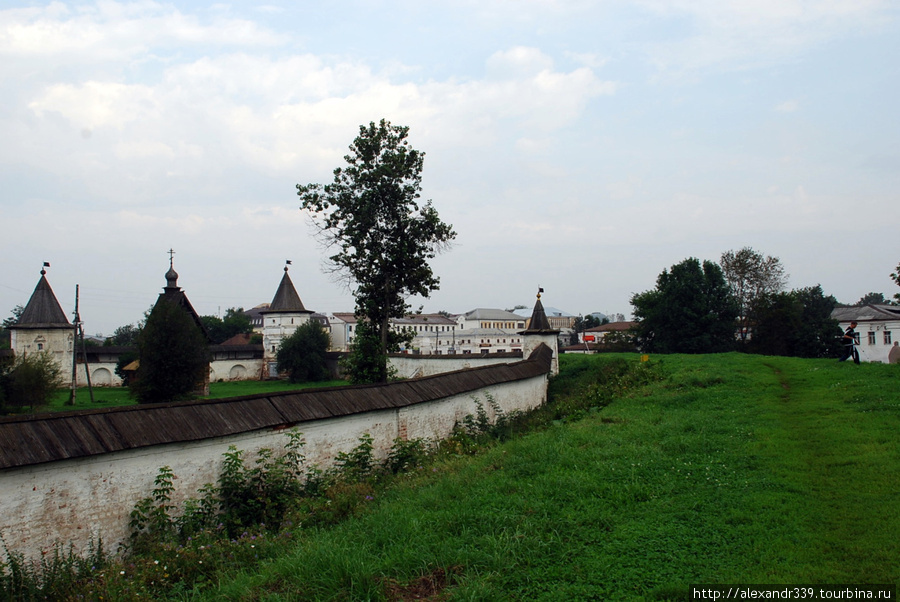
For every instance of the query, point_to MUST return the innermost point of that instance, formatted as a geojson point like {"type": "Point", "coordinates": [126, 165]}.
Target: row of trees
{"type": "Point", "coordinates": [739, 303]}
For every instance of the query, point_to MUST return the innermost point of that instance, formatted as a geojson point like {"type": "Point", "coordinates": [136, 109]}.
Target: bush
{"type": "Point", "coordinates": [302, 354]}
{"type": "Point", "coordinates": [30, 381]}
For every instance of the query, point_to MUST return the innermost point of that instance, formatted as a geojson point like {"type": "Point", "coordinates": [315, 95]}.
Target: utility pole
{"type": "Point", "coordinates": [79, 334]}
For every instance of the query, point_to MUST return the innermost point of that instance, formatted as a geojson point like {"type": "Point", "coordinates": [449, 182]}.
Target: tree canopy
{"type": "Point", "coordinates": [872, 299]}
{"type": "Point", "coordinates": [221, 329]}
{"type": "Point", "coordinates": [796, 324]}
{"type": "Point", "coordinates": [302, 354]}
{"type": "Point", "coordinates": [173, 355]}
{"type": "Point", "coordinates": [382, 236]}
{"type": "Point", "coordinates": [29, 380]}
{"type": "Point", "coordinates": [751, 277]}
{"type": "Point", "coordinates": [691, 310]}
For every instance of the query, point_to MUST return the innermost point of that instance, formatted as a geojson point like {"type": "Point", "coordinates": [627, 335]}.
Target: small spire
{"type": "Point", "coordinates": [171, 275]}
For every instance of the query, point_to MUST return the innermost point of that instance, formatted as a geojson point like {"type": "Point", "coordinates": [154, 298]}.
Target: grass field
{"type": "Point", "coordinates": [110, 397]}
{"type": "Point", "coordinates": [730, 469]}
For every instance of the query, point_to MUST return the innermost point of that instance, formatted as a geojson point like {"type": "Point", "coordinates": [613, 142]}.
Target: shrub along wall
{"type": "Point", "coordinates": [71, 478]}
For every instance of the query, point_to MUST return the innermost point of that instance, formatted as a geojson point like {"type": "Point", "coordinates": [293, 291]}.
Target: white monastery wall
{"type": "Point", "coordinates": [415, 366]}
{"type": "Point", "coordinates": [76, 501]}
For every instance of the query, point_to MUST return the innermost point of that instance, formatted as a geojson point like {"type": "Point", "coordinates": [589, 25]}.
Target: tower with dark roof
{"type": "Point", "coordinates": [281, 319]}
{"type": "Point", "coordinates": [539, 331]}
{"type": "Point", "coordinates": [44, 327]}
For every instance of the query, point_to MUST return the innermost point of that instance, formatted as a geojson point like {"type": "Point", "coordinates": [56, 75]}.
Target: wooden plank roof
{"type": "Point", "coordinates": [27, 440]}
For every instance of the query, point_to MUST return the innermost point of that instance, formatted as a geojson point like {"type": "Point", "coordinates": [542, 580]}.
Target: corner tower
{"type": "Point", "coordinates": [539, 331]}
{"type": "Point", "coordinates": [44, 327]}
{"type": "Point", "coordinates": [284, 315]}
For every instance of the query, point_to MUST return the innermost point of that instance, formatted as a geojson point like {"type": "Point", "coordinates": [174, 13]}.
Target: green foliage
{"type": "Point", "coordinates": [221, 329]}
{"type": "Point", "coordinates": [302, 354]}
{"type": "Point", "coordinates": [751, 278]}
{"type": "Point", "coordinates": [357, 464]}
{"type": "Point", "coordinates": [123, 336]}
{"type": "Point", "coordinates": [367, 360]}
{"type": "Point", "coordinates": [260, 494]}
{"type": "Point", "coordinates": [174, 356]}
{"type": "Point", "coordinates": [59, 575]}
{"type": "Point", "coordinates": [872, 299]}
{"type": "Point", "coordinates": [124, 360]}
{"type": "Point", "coordinates": [30, 381]}
{"type": "Point", "coordinates": [15, 314]}
{"type": "Point", "coordinates": [691, 310]}
{"type": "Point", "coordinates": [797, 324]}
{"type": "Point", "coordinates": [151, 517]}
{"type": "Point", "coordinates": [383, 237]}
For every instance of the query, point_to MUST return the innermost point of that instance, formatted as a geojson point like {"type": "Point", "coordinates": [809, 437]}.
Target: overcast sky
{"type": "Point", "coordinates": [582, 146]}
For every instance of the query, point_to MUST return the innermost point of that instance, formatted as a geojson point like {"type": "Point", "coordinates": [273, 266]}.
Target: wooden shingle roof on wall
{"type": "Point", "coordinates": [50, 437]}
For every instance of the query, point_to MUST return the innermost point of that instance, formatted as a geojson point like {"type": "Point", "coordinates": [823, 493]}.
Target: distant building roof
{"type": "Point", "coordinates": [866, 313]}
{"type": "Point", "coordinates": [554, 312]}
{"type": "Point", "coordinates": [491, 314]}
{"type": "Point", "coordinates": [429, 319]}
{"type": "Point", "coordinates": [43, 309]}
{"type": "Point", "coordinates": [238, 339]}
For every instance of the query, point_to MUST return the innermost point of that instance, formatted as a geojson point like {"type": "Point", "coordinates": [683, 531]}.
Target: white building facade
{"type": "Point", "coordinates": [878, 330]}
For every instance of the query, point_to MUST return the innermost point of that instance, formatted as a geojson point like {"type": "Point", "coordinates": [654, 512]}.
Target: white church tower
{"type": "Point", "coordinates": [284, 315]}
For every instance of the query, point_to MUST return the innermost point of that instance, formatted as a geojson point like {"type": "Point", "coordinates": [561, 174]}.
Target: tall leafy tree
{"type": "Point", "coordinates": [7, 322]}
{"type": "Point", "coordinates": [796, 324]}
{"type": "Point", "coordinates": [382, 236]}
{"type": "Point", "coordinates": [221, 329]}
{"type": "Point", "coordinates": [123, 336]}
{"type": "Point", "coordinates": [872, 299]}
{"type": "Point", "coordinates": [173, 355]}
{"type": "Point", "coordinates": [691, 310]}
{"type": "Point", "coordinates": [751, 277]}
{"type": "Point", "coordinates": [302, 354]}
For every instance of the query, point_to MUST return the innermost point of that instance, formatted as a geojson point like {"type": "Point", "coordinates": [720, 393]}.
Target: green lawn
{"type": "Point", "coordinates": [110, 397]}
{"type": "Point", "coordinates": [732, 469]}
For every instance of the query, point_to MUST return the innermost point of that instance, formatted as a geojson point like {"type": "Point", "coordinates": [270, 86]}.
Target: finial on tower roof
{"type": "Point", "coordinates": [171, 275]}
{"type": "Point", "coordinates": [46, 265]}
{"type": "Point", "coordinates": [540, 290]}
{"type": "Point", "coordinates": [287, 262]}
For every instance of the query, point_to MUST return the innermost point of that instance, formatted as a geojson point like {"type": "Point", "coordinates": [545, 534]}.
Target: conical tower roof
{"type": "Point", "coordinates": [43, 309]}
{"type": "Point", "coordinates": [539, 323]}
{"type": "Point", "coordinates": [286, 298]}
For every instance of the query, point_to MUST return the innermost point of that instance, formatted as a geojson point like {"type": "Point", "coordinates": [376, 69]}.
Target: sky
{"type": "Point", "coordinates": [575, 145]}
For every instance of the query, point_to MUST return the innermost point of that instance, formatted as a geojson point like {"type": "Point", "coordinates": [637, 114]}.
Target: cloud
{"type": "Point", "coordinates": [114, 30]}
{"type": "Point", "coordinates": [737, 34]}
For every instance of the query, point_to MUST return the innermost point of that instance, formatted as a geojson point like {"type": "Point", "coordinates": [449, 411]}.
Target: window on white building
{"type": "Point", "coordinates": [887, 337]}
{"type": "Point", "coordinates": [871, 338]}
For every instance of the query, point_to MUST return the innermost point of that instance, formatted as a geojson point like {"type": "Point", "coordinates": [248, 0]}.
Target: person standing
{"type": "Point", "coordinates": [849, 342]}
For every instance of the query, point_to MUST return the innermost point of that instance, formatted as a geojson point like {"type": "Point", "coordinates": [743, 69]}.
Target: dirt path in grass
{"type": "Point", "coordinates": [841, 459]}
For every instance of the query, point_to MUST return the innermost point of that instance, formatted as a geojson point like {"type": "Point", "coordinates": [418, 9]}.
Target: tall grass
{"type": "Point", "coordinates": [734, 469]}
